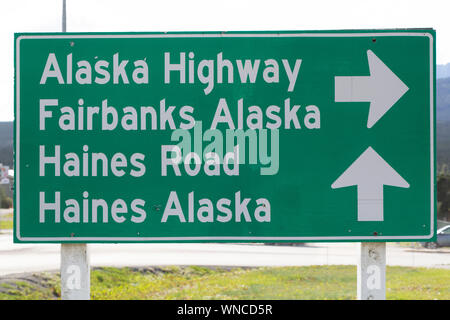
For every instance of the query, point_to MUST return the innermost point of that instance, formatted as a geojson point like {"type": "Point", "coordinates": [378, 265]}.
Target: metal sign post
{"type": "Point", "coordinates": [64, 16]}
{"type": "Point", "coordinates": [75, 272]}
{"type": "Point", "coordinates": [371, 271]}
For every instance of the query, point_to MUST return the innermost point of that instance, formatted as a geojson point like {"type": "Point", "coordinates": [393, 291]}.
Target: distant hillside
{"type": "Point", "coordinates": [443, 121]}
{"type": "Point", "coordinates": [443, 99]}
{"type": "Point", "coordinates": [443, 142]}
{"type": "Point", "coordinates": [443, 71]}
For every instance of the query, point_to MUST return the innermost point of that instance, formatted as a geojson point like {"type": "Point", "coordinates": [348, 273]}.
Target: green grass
{"type": "Point", "coordinates": [313, 282]}
{"type": "Point", "coordinates": [6, 222]}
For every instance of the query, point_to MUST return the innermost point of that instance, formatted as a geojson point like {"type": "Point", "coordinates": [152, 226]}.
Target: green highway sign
{"type": "Point", "coordinates": [240, 136]}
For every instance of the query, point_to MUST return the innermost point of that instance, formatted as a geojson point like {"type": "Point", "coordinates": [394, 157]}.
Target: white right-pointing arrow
{"type": "Point", "coordinates": [382, 89]}
{"type": "Point", "coordinates": [370, 173]}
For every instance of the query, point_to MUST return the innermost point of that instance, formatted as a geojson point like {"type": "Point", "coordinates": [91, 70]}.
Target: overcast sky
{"type": "Point", "coordinates": [210, 15]}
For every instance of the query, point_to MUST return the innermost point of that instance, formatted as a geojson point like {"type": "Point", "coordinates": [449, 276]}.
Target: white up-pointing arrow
{"type": "Point", "coordinates": [382, 89]}
{"type": "Point", "coordinates": [370, 173]}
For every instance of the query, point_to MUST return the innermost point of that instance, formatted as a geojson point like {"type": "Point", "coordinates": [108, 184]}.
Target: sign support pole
{"type": "Point", "coordinates": [75, 268]}
{"type": "Point", "coordinates": [64, 16]}
{"type": "Point", "coordinates": [75, 272]}
{"type": "Point", "coordinates": [371, 271]}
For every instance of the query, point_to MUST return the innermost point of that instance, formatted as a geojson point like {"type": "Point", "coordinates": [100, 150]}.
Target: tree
{"type": "Point", "coordinates": [5, 201]}
{"type": "Point", "coordinates": [443, 196]}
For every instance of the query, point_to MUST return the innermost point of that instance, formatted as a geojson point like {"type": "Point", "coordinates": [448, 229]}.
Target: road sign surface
{"type": "Point", "coordinates": [265, 137]}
